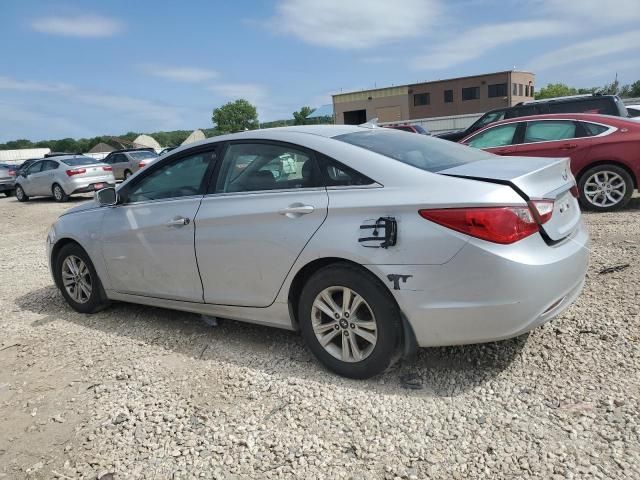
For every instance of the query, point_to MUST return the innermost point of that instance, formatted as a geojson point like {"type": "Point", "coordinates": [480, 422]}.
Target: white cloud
{"type": "Point", "coordinates": [480, 40]}
{"type": "Point", "coordinates": [180, 74]}
{"type": "Point", "coordinates": [249, 91]}
{"type": "Point", "coordinates": [23, 122]}
{"type": "Point", "coordinates": [587, 50]}
{"type": "Point", "coordinates": [354, 24]}
{"type": "Point", "coordinates": [594, 11]}
{"type": "Point", "coordinates": [78, 25]}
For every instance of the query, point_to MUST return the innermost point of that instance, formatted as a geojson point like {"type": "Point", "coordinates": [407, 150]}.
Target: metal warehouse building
{"type": "Point", "coordinates": [440, 98]}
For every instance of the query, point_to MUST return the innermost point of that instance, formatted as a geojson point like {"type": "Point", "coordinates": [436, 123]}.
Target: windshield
{"type": "Point", "coordinates": [79, 161]}
{"type": "Point", "coordinates": [423, 152]}
{"type": "Point", "coordinates": [142, 155]}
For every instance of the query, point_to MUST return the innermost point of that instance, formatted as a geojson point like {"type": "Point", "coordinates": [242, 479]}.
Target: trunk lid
{"type": "Point", "coordinates": [96, 170]}
{"type": "Point", "coordinates": [5, 175]}
{"type": "Point", "coordinates": [534, 179]}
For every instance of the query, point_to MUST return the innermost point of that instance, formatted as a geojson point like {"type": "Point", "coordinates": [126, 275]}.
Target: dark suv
{"type": "Point", "coordinates": [603, 104]}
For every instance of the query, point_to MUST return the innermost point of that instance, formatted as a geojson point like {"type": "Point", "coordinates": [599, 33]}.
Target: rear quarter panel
{"type": "Point", "coordinates": [619, 147]}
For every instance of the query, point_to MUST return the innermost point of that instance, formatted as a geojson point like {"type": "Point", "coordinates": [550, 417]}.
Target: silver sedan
{"type": "Point", "coordinates": [368, 240]}
{"type": "Point", "coordinates": [60, 177]}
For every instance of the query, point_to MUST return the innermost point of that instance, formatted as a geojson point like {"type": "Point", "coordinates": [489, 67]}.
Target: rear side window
{"type": "Point", "coordinates": [593, 129]}
{"type": "Point", "coordinates": [421, 151]}
{"type": "Point", "coordinates": [49, 165]}
{"type": "Point", "coordinates": [548, 131]}
{"type": "Point", "coordinates": [338, 175]}
{"type": "Point", "coordinates": [603, 106]}
{"type": "Point", "coordinates": [494, 137]}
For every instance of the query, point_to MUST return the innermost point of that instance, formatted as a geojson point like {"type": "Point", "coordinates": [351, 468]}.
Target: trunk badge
{"type": "Point", "coordinates": [565, 175]}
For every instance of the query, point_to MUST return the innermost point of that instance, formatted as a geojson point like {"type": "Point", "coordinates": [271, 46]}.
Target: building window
{"type": "Point", "coordinates": [526, 90]}
{"type": "Point", "coordinates": [421, 99]}
{"type": "Point", "coordinates": [498, 90]}
{"type": "Point", "coordinates": [520, 92]}
{"type": "Point", "coordinates": [531, 91]}
{"type": "Point", "coordinates": [515, 89]}
{"type": "Point", "coordinates": [448, 96]}
{"type": "Point", "coordinates": [471, 93]}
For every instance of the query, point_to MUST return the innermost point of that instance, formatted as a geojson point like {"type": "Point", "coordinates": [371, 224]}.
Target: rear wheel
{"type": "Point", "coordinates": [605, 187]}
{"type": "Point", "coordinates": [20, 195]}
{"type": "Point", "coordinates": [78, 281]}
{"type": "Point", "coordinates": [349, 321]}
{"type": "Point", "coordinates": [58, 193]}
{"type": "Point", "coordinates": [127, 174]}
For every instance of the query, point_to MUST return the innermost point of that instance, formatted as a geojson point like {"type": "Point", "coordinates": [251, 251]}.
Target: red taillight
{"type": "Point", "coordinates": [575, 192]}
{"type": "Point", "coordinates": [141, 164]}
{"type": "Point", "coordinates": [495, 224]}
{"type": "Point", "coordinates": [76, 171]}
{"type": "Point", "coordinates": [12, 173]}
{"type": "Point", "coordinates": [107, 169]}
{"type": "Point", "coordinates": [543, 209]}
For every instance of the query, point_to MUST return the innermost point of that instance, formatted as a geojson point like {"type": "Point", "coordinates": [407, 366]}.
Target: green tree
{"type": "Point", "coordinates": [235, 117]}
{"type": "Point", "coordinates": [553, 90]}
{"type": "Point", "coordinates": [302, 117]}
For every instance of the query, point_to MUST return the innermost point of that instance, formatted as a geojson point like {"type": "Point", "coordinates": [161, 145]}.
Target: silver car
{"type": "Point", "coordinates": [127, 162]}
{"type": "Point", "coordinates": [62, 176]}
{"type": "Point", "coordinates": [367, 240]}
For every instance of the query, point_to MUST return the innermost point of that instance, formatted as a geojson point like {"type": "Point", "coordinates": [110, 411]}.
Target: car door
{"type": "Point", "coordinates": [147, 240]}
{"type": "Point", "coordinates": [555, 138]}
{"type": "Point", "coordinates": [266, 204]}
{"type": "Point", "coordinates": [32, 181]}
{"type": "Point", "coordinates": [46, 177]}
{"type": "Point", "coordinates": [500, 139]}
{"type": "Point", "coordinates": [119, 162]}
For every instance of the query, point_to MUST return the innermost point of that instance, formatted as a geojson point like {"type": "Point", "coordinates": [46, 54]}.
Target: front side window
{"type": "Point", "coordinates": [548, 131]}
{"type": "Point", "coordinates": [471, 93]}
{"type": "Point", "coordinates": [488, 118]}
{"type": "Point", "coordinates": [421, 99]}
{"type": "Point", "coordinates": [420, 151]}
{"type": "Point", "coordinates": [35, 168]}
{"type": "Point", "coordinates": [498, 136]}
{"type": "Point", "coordinates": [181, 178]}
{"type": "Point", "coordinates": [497, 90]}
{"type": "Point", "coordinates": [249, 167]}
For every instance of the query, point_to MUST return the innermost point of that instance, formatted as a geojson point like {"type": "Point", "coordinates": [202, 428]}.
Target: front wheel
{"type": "Point", "coordinates": [605, 188]}
{"type": "Point", "coordinates": [78, 281]}
{"type": "Point", "coordinates": [20, 195]}
{"type": "Point", "coordinates": [349, 321]}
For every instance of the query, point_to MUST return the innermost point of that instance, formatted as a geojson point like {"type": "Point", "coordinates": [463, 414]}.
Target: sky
{"type": "Point", "coordinates": [88, 68]}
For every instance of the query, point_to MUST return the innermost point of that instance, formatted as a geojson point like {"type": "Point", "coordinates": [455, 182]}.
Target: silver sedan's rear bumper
{"type": "Point", "coordinates": [490, 292]}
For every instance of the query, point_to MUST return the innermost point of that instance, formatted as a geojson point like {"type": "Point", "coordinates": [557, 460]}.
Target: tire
{"type": "Point", "coordinates": [378, 308]}
{"type": "Point", "coordinates": [75, 295]}
{"type": "Point", "coordinates": [58, 193]}
{"type": "Point", "coordinates": [127, 174]}
{"type": "Point", "coordinates": [20, 195]}
{"type": "Point", "coordinates": [600, 186]}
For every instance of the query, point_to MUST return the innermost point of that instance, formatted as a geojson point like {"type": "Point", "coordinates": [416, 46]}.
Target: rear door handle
{"type": "Point", "coordinates": [178, 222]}
{"type": "Point", "coordinates": [568, 146]}
{"type": "Point", "coordinates": [296, 210]}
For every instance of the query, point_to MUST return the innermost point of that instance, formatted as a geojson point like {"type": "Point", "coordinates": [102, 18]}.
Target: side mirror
{"type": "Point", "coordinates": [107, 197]}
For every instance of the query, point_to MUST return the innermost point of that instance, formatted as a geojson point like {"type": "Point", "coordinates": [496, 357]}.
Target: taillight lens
{"type": "Point", "coordinates": [141, 164]}
{"type": "Point", "coordinates": [76, 171]}
{"type": "Point", "coordinates": [12, 173]}
{"type": "Point", "coordinates": [543, 209]}
{"type": "Point", "coordinates": [503, 225]}
{"type": "Point", "coordinates": [107, 169]}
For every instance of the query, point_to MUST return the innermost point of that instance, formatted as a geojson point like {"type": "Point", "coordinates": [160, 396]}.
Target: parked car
{"type": "Point", "coordinates": [127, 162]}
{"type": "Point", "coordinates": [409, 128]}
{"type": "Point", "coordinates": [166, 150]}
{"type": "Point", "coordinates": [7, 179]}
{"type": "Point", "coordinates": [634, 111]}
{"type": "Point", "coordinates": [62, 176]}
{"type": "Point", "coordinates": [602, 104]}
{"type": "Point", "coordinates": [604, 151]}
{"type": "Point", "coordinates": [24, 165]}
{"type": "Point", "coordinates": [375, 241]}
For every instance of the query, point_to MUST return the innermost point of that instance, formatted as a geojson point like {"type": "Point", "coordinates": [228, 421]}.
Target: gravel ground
{"type": "Point", "coordinates": [138, 392]}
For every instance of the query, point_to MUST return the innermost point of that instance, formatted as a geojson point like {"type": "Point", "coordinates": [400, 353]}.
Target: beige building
{"type": "Point", "coordinates": [441, 98]}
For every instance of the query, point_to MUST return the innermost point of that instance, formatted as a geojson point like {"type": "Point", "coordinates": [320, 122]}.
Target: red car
{"type": "Point", "coordinates": [409, 128]}
{"type": "Point", "coordinates": [604, 151]}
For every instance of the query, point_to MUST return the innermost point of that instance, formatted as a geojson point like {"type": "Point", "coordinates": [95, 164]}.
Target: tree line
{"type": "Point", "coordinates": [552, 90]}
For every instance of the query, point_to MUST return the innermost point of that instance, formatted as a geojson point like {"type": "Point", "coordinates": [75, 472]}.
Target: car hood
{"type": "Point", "coordinates": [90, 205]}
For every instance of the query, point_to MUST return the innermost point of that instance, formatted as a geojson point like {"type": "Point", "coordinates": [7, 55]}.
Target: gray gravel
{"type": "Point", "coordinates": [136, 392]}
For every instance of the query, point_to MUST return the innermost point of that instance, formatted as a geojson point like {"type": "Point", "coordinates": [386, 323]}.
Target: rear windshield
{"type": "Point", "coordinates": [423, 152]}
{"type": "Point", "coordinates": [79, 161]}
{"type": "Point", "coordinates": [142, 155]}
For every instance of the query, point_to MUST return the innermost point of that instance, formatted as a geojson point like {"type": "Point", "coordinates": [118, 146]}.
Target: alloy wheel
{"type": "Point", "coordinates": [19, 193]}
{"type": "Point", "coordinates": [76, 279]}
{"type": "Point", "coordinates": [344, 324]}
{"type": "Point", "coordinates": [605, 189]}
{"type": "Point", "coordinates": [57, 192]}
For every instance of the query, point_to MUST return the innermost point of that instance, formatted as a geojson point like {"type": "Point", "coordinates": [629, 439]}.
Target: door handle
{"type": "Point", "coordinates": [568, 146]}
{"type": "Point", "coordinates": [178, 222]}
{"type": "Point", "coordinates": [296, 210]}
